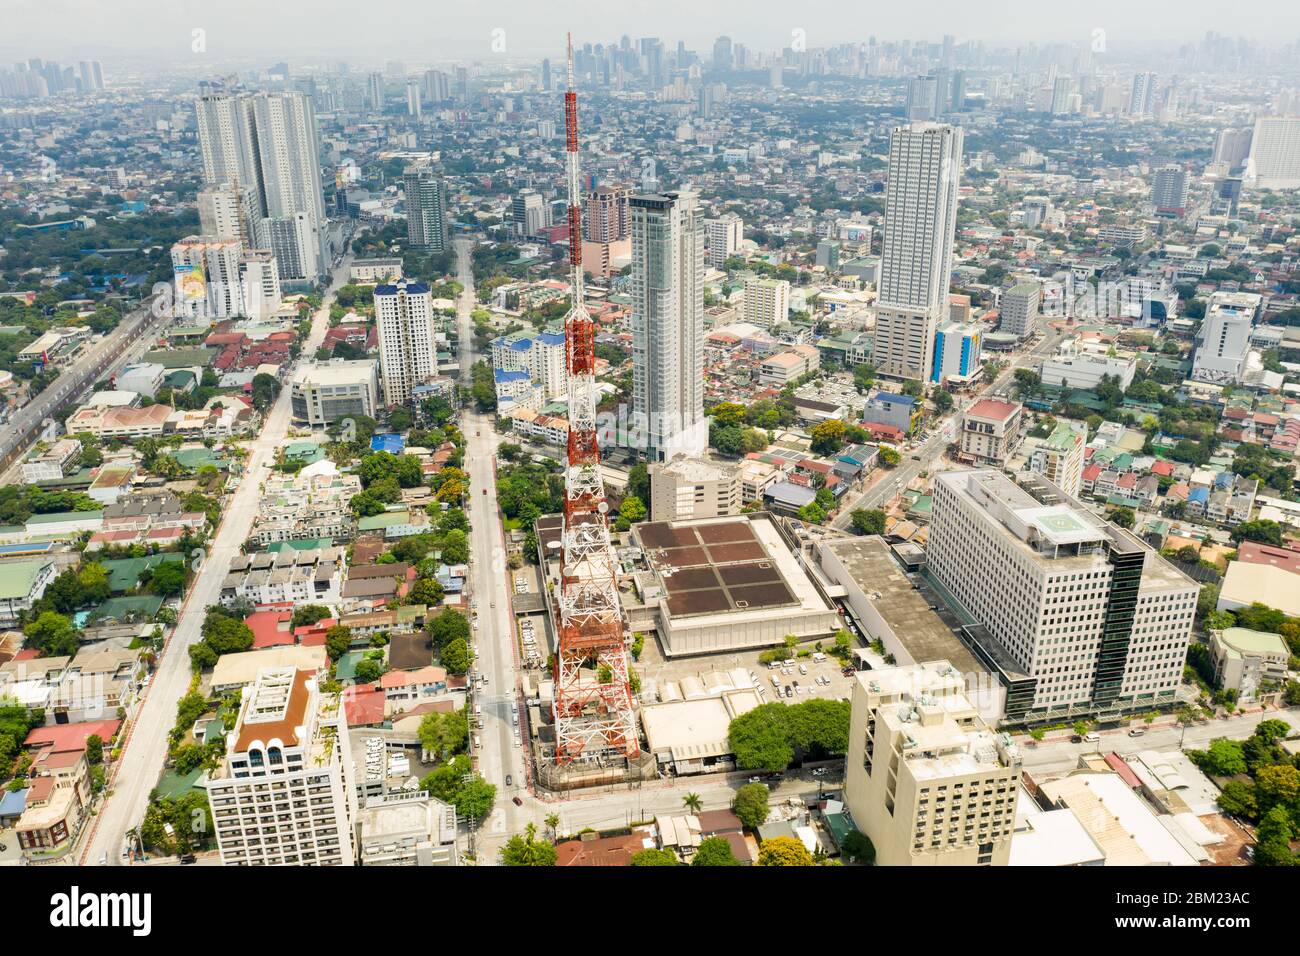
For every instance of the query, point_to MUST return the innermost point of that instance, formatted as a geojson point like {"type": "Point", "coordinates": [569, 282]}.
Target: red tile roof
{"type": "Point", "coordinates": [62, 737]}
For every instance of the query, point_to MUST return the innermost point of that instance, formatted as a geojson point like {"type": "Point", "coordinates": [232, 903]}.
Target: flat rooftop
{"type": "Point", "coordinates": [921, 630]}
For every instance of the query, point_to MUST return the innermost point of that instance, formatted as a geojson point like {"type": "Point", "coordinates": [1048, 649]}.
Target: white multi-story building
{"type": "Point", "coordinates": [1060, 456]}
{"type": "Point", "coordinates": [541, 355]}
{"type": "Point", "coordinates": [530, 213]}
{"type": "Point", "coordinates": [1170, 185]}
{"type": "Point", "coordinates": [693, 488]}
{"type": "Point", "coordinates": [1097, 618]}
{"type": "Point", "coordinates": [725, 234]}
{"type": "Point", "coordinates": [326, 392]}
{"type": "Point", "coordinates": [1142, 95]}
{"type": "Point", "coordinates": [925, 778]}
{"type": "Point", "coordinates": [285, 794]}
{"type": "Point", "coordinates": [958, 353]}
{"type": "Point", "coordinates": [991, 431]}
{"type": "Point", "coordinates": [920, 218]}
{"type": "Point", "coordinates": [208, 280]}
{"type": "Point", "coordinates": [1019, 309]}
{"type": "Point", "coordinates": [767, 301]}
{"type": "Point", "coordinates": [407, 357]}
{"type": "Point", "coordinates": [229, 211]}
{"type": "Point", "coordinates": [1076, 365]}
{"type": "Point", "coordinates": [259, 274]}
{"type": "Point", "coordinates": [1223, 340]}
{"type": "Point", "coordinates": [1232, 147]}
{"type": "Point", "coordinates": [1274, 161]}
{"type": "Point", "coordinates": [407, 829]}
{"type": "Point", "coordinates": [668, 324]}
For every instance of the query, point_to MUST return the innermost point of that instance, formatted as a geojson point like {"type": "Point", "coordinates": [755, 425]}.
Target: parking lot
{"type": "Point", "coordinates": [814, 678]}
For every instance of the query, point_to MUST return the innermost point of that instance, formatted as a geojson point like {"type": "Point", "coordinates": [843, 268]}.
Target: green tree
{"type": "Point", "coordinates": [53, 635]}
{"type": "Point", "coordinates": [630, 512]}
{"type": "Point", "coordinates": [714, 851]}
{"type": "Point", "coordinates": [654, 858]}
{"type": "Point", "coordinates": [527, 850]}
{"type": "Point", "coordinates": [857, 846]}
{"type": "Point", "coordinates": [827, 437]}
{"type": "Point", "coordinates": [337, 641]}
{"type": "Point", "coordinates": [692, 802]}
{"type": "Point", "coordinates": [456, 657]}
{"type": "Point", "coordinates": [868, 522]}
{"type": "Point", "coordinates": [475, 798]}
{"type": "Point", "coordinates": [751, 805]}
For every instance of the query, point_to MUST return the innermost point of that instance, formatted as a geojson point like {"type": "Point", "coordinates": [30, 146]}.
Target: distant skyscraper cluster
{"type": "Point", "coordinates": [37, 79]}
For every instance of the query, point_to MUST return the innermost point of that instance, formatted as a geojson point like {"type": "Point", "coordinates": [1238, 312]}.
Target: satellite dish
{"type": "Point", "coordinates": [603, 507]}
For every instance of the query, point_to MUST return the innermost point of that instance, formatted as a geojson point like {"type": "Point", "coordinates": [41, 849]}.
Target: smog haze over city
{"type": "Point", "coordinates": [556, 434]}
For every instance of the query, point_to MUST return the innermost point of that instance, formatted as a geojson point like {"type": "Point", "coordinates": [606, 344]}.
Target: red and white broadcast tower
{"type": "Point", "coordinates": [593, 700]}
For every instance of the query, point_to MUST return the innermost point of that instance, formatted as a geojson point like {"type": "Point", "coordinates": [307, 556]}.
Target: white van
{"type": "Point", "coordinates": [1091, 738]}
{"type": "Point", "coordinates": [819, 657]}
{"type": "Point", "coordinates": [477, 743]}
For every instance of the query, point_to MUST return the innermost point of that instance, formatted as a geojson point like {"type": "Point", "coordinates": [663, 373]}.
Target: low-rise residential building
{"type": "Point", "coordinates": [51, 463]}
{"type": "Point", "coordinates": [991, 431]}
{"type": "Point", "coordinates": [314, 503]}
{"type": "Point", "coordinates": [407, 829]}
{"type": "Point", "coordinates": [1249, 662]}
{"type": "Point", "coordinates": [288, 576]}
{"type": "Point", "coordinates": [22, 584]}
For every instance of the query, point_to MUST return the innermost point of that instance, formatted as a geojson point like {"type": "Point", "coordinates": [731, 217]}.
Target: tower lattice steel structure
{"type": "Point", "coordinates": [593, 700]}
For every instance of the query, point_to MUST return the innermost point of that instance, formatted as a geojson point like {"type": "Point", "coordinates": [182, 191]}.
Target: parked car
{"type": "Point", "coordinates": [518, 802]}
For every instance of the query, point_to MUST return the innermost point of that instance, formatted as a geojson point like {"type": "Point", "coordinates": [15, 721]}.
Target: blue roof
{"type": "Point", "coordinates": [891, 397]}
{"type": "Point", "coordinates": [387, 441]}
{"type": "Point", "coordinates": [13, 802]}
{"type": "Point", "coordinates": [552, 338]}
{"type": "Point", "coordinates": [506, 375]}
{"type": "Point", "coordinates": [1199, 494]}
{"type": "Point", "coordinates": [1223, 479]}
{"type": "Point", "coordinates": [412, 288]}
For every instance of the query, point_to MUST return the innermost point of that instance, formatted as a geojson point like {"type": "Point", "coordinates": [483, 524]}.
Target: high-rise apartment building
{"type": "Point", "coordinates": [426, 209]}
{"type": "Point", "coordinates": [922, 96]}
{"type": "Point", "coordinates": [1019, 309]}
{"type": "Point", "coordinates": [606, 217]}
{"type": "Point", "coordinates": [1232, 147]}
{"type": "Point", "coordinates": [375, 91]}
{"type": "Point", "coordinates": [1142, 95]}
{"type": "Point", "coordinates": [407, 356]}
{"type": "Point", "coordinates": [259, 275]}
{"type": "Point", "coordinates": [668, 324]}
{"type": "Point", "coordinates": [437, 86]}
{"type": "Point", "coordinates": [266, 142]}
{"type": "Point", "coordinates": [724, 237]}
{"type": "Point", "coordinates": [925, 778]}
{"type": "Point", "coordinates": [92, 75]}
{"type": "Point", "coordinates": [767, 301]}
{"type": "Point", "coordinates": [413, 98]}
{"type": "Point", "coordinates": [207, 275]}
{"type": "Point", "coordinates": [285, 793]}
{"type": "Point", "coordinates": [1096, 618]}
{"type": "Point", "coordinates": [1274, 161]}
{"type": "Point", "coordinates": [916, 259]}
{"type": "Point", "coordinates": [1170, 186]}
{"type": "Point", "coordinates": [530, 213]}
{"type": "Point", "coordinates": [1060, 456]}
{"type": "Point", "coordinates": [229, 211]}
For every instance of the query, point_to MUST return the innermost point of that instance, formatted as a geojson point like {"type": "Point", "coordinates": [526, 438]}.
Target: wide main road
{"type": "Point", "coordinates": [145, 750]}
{"type": "Point", "coordinates": [494, 638]}
{"type": "Point", "coordinates": [104, 358]}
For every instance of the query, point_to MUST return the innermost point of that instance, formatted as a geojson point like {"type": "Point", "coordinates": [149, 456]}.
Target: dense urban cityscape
{"type": "Point", "coordinates": [652, 453]}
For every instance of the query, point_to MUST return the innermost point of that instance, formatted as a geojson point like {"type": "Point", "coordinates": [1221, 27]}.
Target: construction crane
{"type": "Point", "coordinates": [594, 716]}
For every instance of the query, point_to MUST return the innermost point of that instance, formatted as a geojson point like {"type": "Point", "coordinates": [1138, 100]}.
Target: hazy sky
{"type": "Point", "coordinates": [368, 31]}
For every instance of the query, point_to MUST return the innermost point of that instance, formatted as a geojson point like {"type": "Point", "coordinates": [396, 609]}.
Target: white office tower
{"type": "Point", "coordinates": [922, 99]}
{"type": "Point", "coordinates": [375, 91]}
{"type": "Point", "coordinates": [1223, 340]}
{"type": "Point", "coordinates": [260, 278]}
{"type": "Point", "coordinates": [1142, 95]}
{"type": "Point", "coordinates": [1274, 161]}
{"type": "Point", "coordinates": [412, 98]}
{"type": "Point", "coordinates": [1019, 309]}
{"type": "Point", "coordinates": [767, 301]}
{"type": "Point", "coordinates": [1170, 185]}
{"type": "Point", "coordinates": [668, 324]}
{"type": "Point", "coordinates": [530, 213]}
{"type": "Point", "coordinates": [426, 209]}
{"type": "Point", "coordinates": [1062, 90]}
{"type": "Point", "coordinates": [1095, 620]}
{"type": "Point", "coordinates": [285, 794]}
{"type": "Point", "coordinates": [926, 779]}
{"type": "Point", "coordinates": [266, 142]}
{"type": "Point", "coordinates": [229, 211]}
{"type": "Point", "coordinates": [916, 259]}
{"type": "Point", "coordinates": [209, 283]}
{"type": "Point", "coordinates": [1060, 456]}
{"type": "Point", "coordinates": [1232, 147]}
{"type": "Point", "coordinates": [725, 235]}
{"type": "Point", "coordinates": [407, 355]}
